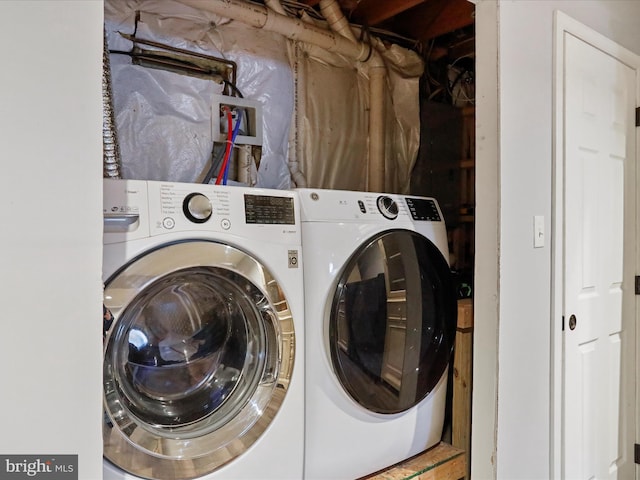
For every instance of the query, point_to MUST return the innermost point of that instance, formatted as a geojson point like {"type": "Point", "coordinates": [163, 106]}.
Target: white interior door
{"type": "Point", "coordinates": [598, 248]}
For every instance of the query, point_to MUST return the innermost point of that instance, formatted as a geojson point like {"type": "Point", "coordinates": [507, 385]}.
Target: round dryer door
{"type": "Point", "coordinates": [196, 362]}
{"type": "Point", "coordinates": [392, 322]}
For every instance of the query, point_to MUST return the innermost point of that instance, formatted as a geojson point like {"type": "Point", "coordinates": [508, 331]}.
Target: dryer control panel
{"type": "Point", "coordinates": [363, 213]}
{"type": "Point", "coordinates": [424, 209]}
{"type": "Point", "coordinates": [348, 206]}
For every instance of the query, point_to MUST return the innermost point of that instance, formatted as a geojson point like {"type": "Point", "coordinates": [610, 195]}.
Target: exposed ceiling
{"type": "Point", "coordinates": [437, 25]}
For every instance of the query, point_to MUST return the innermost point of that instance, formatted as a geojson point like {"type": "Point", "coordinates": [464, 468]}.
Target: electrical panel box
{"type": "Point", "coordinates": [250, 132]}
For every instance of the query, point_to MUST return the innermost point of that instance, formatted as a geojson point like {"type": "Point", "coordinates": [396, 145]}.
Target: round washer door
{"type": "Point", "coordinates": [196, 362]}
{"type": "Point", "coordinates": [392, 322]}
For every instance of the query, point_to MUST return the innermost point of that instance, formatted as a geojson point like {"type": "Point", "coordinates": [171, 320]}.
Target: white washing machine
{"type": "Point", "coordinates": [380, 325]}
{"type": "Point", "coordinates": [204, 357]}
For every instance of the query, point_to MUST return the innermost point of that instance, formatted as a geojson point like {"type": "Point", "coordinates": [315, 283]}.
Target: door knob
{"type": "Point", "coordinates": [573, 321]}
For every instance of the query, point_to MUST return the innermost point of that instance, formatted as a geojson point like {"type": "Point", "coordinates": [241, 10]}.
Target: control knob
{"type": "Point", "coordinates": [387, 207]}
{"type": "Point", "coordinates": [197, 207]}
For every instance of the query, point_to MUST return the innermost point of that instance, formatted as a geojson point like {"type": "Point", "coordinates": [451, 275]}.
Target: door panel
{"type": "Point", "coordinates": [599, 146]}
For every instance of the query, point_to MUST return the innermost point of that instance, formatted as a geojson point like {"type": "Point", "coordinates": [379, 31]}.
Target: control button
{"type": "Point", "coordinates": [168, 223]}
{"type": "Point", "coordinates": [388, 207]}
{"type": "Point", "coordinates": [293, 258]}
{"type": "Point", "coordinates": [225, 223]}
{"type": "Point", "coordinates": [361, 206]}
{"type": "Point", "coordinates": [197, 207]}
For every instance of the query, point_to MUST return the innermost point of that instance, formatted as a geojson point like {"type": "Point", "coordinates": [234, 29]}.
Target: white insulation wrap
{"type": "Point", "coordinates": [333, 128]}
{"type": "Point", "coordinates": [164, 118]}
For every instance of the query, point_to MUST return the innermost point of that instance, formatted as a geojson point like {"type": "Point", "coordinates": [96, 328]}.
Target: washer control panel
{"type": "Point", "coordinates": [180, 206]}
{"type": "Point", "coordinates": [141, 208]}
{"type": "Point", "coordinates": [269, 210]}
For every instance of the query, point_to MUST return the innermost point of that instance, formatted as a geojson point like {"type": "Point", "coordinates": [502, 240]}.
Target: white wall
{"type": "Point", "coordinates": [515, 159]}
{"type": "Point", "coordinates": [50, 230]}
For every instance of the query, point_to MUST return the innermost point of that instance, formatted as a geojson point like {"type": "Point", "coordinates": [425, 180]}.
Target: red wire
{"type": "Point", "coordinates": [228, 149]}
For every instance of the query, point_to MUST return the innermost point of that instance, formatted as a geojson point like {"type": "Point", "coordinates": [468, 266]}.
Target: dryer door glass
{"type": "Point", "coordinates": [392, 323]}
{"type": "Point", "coordinates": [197, 360]}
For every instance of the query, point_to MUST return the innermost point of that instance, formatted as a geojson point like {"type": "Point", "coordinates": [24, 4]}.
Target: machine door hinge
{"type": "Point", "coordinates": [636, 453]}
{"type": "Point", "coordinates": [563, 323]}
{"type": "Point", "coordinates": [637, 284]}
{"type": "Point", "coordinates": [637, 116]}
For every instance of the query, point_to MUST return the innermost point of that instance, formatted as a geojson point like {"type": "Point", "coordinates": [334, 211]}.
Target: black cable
{"type": "Point", "coordinates": [121, 52]}
{"type": "Point", "coordinates": [234, 88]}
{"type": "Point", "coordinates": [365, 37]}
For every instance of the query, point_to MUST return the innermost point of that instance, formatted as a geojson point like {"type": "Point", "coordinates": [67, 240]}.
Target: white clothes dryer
{"type": "Point", "coordinates": [204, 358]}
{"type": "Point", "coordinates": [380, 325]}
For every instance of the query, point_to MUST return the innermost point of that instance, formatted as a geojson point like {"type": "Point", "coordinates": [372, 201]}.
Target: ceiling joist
{"type": "Point", "coordinates": [418, 20]}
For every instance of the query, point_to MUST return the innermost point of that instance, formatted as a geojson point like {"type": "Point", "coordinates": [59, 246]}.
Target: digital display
{"type": "Point", "coordinates": [269, 210]}
{"type": "Point", "coordinates": [423, 209]}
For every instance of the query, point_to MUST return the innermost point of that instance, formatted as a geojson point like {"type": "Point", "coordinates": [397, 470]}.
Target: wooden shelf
{"type": "Point", "coordinates": [463, 379]}
{"type": "Point", "coordinates": [441, 462]}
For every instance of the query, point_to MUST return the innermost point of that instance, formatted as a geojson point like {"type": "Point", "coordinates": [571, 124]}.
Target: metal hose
{"type": "Point", "coordinates": [110, 146]}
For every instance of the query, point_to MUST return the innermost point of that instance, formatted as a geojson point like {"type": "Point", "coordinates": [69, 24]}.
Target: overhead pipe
{"type": "Point", "coordinates": [276, 6]}
{"type": "Point", "coordinates": [259, 16]}
{"type": "Point", "coordinates": [332, 13]}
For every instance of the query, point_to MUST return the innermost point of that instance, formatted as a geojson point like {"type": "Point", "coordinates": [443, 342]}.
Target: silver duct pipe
{"type": "Point", "coordinates": [110, 145]}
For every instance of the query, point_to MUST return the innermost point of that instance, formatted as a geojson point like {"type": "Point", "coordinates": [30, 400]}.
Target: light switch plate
{"type": "Point", "coordinates": [538, 231]}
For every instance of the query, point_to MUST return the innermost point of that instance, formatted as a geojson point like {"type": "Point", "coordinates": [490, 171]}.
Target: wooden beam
{"type": "Point", "coordinates": [436, 18]}
{"type": "Point", "coordinates": [374, 12]}
{"type": "Point", "coordinates": [418, 19]}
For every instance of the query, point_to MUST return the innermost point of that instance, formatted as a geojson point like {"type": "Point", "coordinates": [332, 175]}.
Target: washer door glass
{"type": "Point", "coordinates": [392, 322]}
{"type": "Point", "coordinates": [197, 360]}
